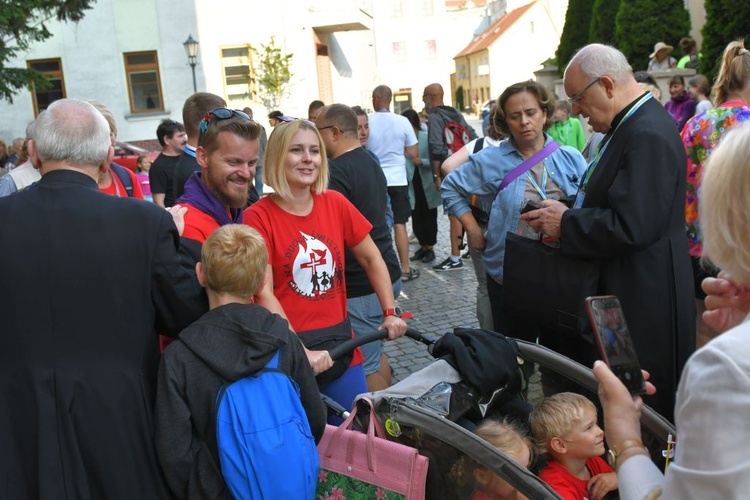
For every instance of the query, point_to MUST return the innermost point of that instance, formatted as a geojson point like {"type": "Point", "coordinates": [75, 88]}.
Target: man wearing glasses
{"type": "Point", "coordinates": [357, 175]}
{"type": "Point", "coordinates": [227, 154]}
{"type": "Point", "coordinates": [629, 214]}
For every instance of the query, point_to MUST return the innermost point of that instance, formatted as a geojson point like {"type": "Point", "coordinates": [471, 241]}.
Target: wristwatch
{"type": "Point", "coordinates": [616, 451]}
{"type": "Point", "coordinates": [393, 311]}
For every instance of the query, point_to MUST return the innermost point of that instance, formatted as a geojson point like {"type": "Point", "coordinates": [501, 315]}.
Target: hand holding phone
{"type": "Point", "coordinates": [529, 205]}
{"type": "Point", "coordinates": [614, 342]}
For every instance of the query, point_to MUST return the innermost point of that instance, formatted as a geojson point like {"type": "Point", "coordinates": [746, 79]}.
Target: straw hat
{"type": "Point", "coordinates": [659, 47]}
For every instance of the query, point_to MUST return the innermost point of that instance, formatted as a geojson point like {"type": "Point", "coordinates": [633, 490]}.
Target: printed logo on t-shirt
{"type": "Point", "coordinates": [314, 271]}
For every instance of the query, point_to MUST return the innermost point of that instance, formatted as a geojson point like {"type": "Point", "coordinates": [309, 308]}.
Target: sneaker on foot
{"type": "Point", "coordinates": [467, 255]}
{"type": "Point", "coordinates": [448, 265]}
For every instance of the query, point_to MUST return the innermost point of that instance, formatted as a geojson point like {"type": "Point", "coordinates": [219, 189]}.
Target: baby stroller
{"type": "Point", "coordinates": [434, 410]}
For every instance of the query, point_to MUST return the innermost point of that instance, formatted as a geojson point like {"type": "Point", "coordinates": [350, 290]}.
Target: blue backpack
{"type": "Point", "coordinates": [266, 448]}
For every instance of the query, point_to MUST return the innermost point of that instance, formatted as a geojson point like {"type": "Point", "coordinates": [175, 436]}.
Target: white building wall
{"type": "Point", "coordinates": [353, 70]}
{"type": "Point", "coordinates": [451, 32]}
{"type": "Point", "coordinates": [91, 53]}
{"type": "Point", "coordinates": [523, 48]}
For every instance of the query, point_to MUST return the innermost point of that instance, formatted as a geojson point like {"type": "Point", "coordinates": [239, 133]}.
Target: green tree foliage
{"type": "Point", "coordinates": [602, 28]}
{"type": "Point", "coordinates": [274, 69]}
{"type": "Point", "coordinates": [640, 24]}
{"type": "Point", "coordinates": [576, 31]}
{"type": "Point", "coordinates": [22, 25]}
{"type": "Point", "coordinates": [726, 20]}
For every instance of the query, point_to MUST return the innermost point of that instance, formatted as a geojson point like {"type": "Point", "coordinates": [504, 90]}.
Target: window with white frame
{"type": "Point", "coordinates": [239, 76]}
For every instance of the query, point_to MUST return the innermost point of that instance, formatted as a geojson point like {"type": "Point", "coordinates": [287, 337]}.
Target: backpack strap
{"type": "Point", "coordinates": [122, 174]}
{"type": "Point", "coordinates": [479, 145]}
{"type": "Point", "coordinates": [274, 363]}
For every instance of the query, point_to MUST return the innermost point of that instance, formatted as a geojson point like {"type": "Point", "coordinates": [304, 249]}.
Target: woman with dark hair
{"type": "Point", "coordinates": [701, 135]}
{"type": "Point", "coordinates": [523, 113]}
{"type": "Point", "coordinates": [423, 194]}
{"type": "Point", "coordinates": [680, 105]}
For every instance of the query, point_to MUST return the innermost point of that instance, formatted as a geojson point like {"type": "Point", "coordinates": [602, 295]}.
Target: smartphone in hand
{"type": "Point", "coordinates": [529, 205]}
{"type": "Point", "coordinates": [614, 342]}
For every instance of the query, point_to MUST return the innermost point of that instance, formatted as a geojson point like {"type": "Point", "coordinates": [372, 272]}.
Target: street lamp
{"type": "Point", "coordinates": [191, 49]}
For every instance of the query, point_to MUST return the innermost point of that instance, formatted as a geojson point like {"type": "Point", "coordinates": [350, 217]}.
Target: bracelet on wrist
{"type": "Point", "coordinates": [616, 451]}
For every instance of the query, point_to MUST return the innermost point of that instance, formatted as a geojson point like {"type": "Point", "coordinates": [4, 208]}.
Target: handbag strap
{"type": "Point", "coordinates": [527, 164]}
{"type": "Point", "coordinates": [374, 429]}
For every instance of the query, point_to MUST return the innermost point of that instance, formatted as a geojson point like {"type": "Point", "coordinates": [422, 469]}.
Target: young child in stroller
{"type": "Point", "coordinates": [509, 438]}
{"type": "Point", "coordinates": [565, 429]}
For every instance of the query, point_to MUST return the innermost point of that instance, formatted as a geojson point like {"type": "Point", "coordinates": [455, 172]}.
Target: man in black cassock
{"type": "Point", "coordinates": [631, 214]}
{"type": "Point", "coordinates": [86, 279]}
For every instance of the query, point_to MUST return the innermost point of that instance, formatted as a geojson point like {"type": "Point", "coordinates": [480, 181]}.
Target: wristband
{"type": "Point", "coordinates": [393, 311]}
{"type": "Point", "coordinates": [616, 451]}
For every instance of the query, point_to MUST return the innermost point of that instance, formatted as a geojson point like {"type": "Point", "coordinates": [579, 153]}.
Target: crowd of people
{"type": "Point", "coordinates": [98, 404]}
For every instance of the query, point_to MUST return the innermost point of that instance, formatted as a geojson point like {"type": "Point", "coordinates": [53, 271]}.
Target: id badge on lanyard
{"type": "Point", "coordinates": [580, 195]}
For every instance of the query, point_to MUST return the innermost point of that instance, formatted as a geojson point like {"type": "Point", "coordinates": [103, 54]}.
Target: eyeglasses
{"type": "Point", "coordinates": [575, 99]}
{"type": "Point", "coordinates": [327, 126]}
{"type": "Point", "coordinates": [221, 114]}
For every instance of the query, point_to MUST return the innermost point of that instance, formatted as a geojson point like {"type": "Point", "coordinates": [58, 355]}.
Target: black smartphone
{"type": "Point", "coordinates": [614, 341]}
{"type": "Point", "coordinates": [529, 205]}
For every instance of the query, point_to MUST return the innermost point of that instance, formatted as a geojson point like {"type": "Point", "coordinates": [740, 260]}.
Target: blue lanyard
{"type": "Point", "coordinates": [540, 190]}
{"type": "Point", "coordinates": [595, 161]}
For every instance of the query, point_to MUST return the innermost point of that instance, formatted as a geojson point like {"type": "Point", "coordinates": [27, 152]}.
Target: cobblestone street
{"type": "Point", "coordinates": [439, 301]}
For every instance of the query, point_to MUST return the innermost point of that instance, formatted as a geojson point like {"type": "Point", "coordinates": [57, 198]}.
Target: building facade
{"type": "Point", "coordinates": [510, 50]}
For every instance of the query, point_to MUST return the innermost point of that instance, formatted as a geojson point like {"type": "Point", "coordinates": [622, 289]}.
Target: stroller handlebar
{"type": "Point", "coordinates": [366, 338]}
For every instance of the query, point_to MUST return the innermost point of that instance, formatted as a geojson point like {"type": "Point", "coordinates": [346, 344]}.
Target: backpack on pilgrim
{"type": "Point", "coordinates": [456, 135]}
{"type": "Point", "coordinates": [266, 448]}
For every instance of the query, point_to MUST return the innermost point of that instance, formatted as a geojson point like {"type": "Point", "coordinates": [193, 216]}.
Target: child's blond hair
{"type": "Point", "coordinates": [234, 260]}
{"type": "Point", "coordinates": [506, 435]}
{"type": "Point", "coordinates": [556, 416]}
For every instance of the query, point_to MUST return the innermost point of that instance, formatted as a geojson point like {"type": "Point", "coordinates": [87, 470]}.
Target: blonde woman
{"type": "Point", "coordinates": [306, 229]}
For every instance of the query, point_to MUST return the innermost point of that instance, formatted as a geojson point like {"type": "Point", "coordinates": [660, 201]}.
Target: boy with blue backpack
{"type": "Point", "coordinates": [238, 413]}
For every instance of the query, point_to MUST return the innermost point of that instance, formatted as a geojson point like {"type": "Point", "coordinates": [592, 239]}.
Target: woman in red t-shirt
{"type": "Point", "coordinates": [307, 229]}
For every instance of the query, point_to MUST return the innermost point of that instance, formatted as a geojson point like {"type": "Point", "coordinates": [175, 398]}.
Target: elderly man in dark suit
{"type": "Point", "coordinates": [629, 214]}
{"type": "Point", "coordinates": [86, 281]}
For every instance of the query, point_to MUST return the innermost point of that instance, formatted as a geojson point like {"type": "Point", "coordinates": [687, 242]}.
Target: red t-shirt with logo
{"type": "Point", "coordinates": [306, 254]}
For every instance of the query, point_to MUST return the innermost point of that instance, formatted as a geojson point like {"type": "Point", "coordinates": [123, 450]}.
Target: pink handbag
{"type": "Point", "coordinates": [362, 466]}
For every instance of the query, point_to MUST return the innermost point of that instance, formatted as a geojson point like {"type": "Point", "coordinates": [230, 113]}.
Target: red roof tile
{"type": "Point", "coordinates": [495, 31]}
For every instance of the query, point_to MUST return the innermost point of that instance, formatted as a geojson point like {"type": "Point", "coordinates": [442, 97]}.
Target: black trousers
{"type": "Point", "coordinates": [423, 219]}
